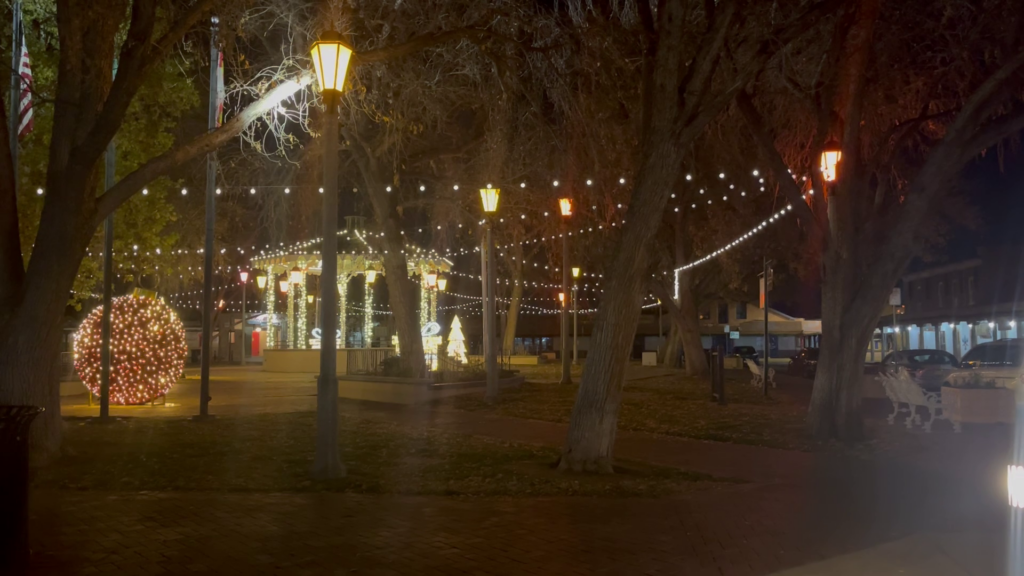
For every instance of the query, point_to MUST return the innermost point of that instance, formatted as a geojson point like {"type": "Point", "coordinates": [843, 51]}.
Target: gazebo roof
{"type": "Point", "coordinates": [355, 256]}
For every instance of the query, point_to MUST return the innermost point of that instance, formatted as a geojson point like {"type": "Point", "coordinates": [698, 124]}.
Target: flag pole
{"type": "Point", "coordinates": [14, 103]}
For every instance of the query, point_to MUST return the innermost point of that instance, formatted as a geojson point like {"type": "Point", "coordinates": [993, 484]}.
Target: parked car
{"type": "Point", "coordinates": [804, 364]}
{"type": "Point", "coordinates": [746, 353]}
{"type": "Point", "coordinates": [929, 368]}
{"type": "Point", "coordinates": [999, 362]}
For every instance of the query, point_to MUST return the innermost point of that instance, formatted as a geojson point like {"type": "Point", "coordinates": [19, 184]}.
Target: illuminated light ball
{"type": "Point", "coordinates": [148, 349]}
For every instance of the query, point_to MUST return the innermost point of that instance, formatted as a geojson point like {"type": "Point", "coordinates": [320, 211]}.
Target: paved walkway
{"type": "Point", "coordinates": [797, 509]}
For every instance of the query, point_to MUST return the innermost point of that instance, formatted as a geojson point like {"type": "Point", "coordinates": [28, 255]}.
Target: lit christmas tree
{"type": "Point", "coordinates": [457, 341]}
{"type": "Point", "coordinates": [147, 347]}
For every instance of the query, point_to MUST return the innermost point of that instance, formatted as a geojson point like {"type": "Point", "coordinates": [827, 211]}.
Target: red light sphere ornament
{"type": "Point", "coordinates": [147, 344]}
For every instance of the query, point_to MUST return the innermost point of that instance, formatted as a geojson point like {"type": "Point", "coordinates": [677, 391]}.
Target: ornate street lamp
{"type": "Point", "coordinates": [283, 285]}
{"type": "Point", "coordinates": [331, 58]}
{"type": "Point", "coordinates": [243, 275]}
{"type": "Point", "coordinates": [442, 283]}
{"type": "Point", "coordinates": [489, 200]}
{"type": "Point", "coordinates": [295, 275]}
{"type": "Point", "coordinates": [261, 281]}
{"type": "Point", "coordinates": [575, 315]}
{"type": "Point", "coordinates": [565, 205]}
{"type": "Point", "coordinates": [831, 154]}
{"type": "Point", "coordinates": [431, 279]}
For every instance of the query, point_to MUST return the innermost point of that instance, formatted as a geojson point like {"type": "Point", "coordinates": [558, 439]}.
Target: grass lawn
{"type": "Point", "coordinates": [673, 405]}
{"type": "Point", "coordinates": [273, 452]}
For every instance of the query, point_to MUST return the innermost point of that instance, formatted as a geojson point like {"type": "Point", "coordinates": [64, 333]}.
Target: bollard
{"type": "Point", "coordinates": [721, 376]}
{"type": "Point", "coordinates": [14, 425]}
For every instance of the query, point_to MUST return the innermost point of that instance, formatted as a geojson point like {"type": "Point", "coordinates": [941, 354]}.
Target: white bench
{"type": "Point", "coordinates": [758, 376]}
{"type": "Point", "coordinates": [901, 389]}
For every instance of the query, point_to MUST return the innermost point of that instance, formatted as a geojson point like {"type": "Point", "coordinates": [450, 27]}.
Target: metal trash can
{"type": "Point", "coordinates": [14, 425]}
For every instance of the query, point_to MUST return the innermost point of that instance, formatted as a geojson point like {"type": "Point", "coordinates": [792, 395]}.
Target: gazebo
{"type": "Point", "coordinates": [288, 271]}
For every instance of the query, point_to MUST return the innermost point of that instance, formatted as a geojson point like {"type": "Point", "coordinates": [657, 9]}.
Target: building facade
{"type": "Point", "coordinates": [954, 307]}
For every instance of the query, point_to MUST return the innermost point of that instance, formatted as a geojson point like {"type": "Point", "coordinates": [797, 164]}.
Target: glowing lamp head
{"type": "Point", "coordinates": [431, 280]}
{"type": "Point", "coordinates": [283, 285]}
{"type": "Point", "coordinates": [565, 204]}
{"type": "Point", "coordinates": [310, 298]}
{"type": "Point", "coordinates": [575, 272]}
{"type": "Point", "coordinates": [261, 281]}
{"type": "Point", "coordinates": [831, 154]}
{"type": "Point", "coordinates": [371, 275]}
{"type": "Point", "coordinates": [489, 198]}
{"type": "Point", "coordinates": [330, 58]}
{"type": "Point", "coordinates": [442, 283]}
{"type": "Point", "coordinates": [244, 275]}
{"type": "Point", "coordinates": [295, 276]}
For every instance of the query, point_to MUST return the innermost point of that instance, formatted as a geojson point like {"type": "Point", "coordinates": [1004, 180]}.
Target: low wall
{"type": "Point", "coordinates": [515, 360]}
{"type": "Point", "coordinates": [300, 361]}
{"type": "Point", "coordinates": [410, 390]}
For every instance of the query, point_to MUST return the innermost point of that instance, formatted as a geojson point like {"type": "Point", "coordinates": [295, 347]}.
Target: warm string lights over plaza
{"type": "Point", "coordinates": [148, 349]}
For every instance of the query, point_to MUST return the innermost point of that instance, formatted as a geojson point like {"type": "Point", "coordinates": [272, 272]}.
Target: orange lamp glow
{"type": "Point", "coordinates": [831, 154]}
{"type": "Point", "coordinates": [566, 205]}
{"type": "Point", "coordinates": [561, 298]}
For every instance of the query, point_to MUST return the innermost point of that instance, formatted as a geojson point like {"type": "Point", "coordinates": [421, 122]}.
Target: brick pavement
{"type": "Point", "coordinates": [800, 508]}
{"type": "Point", "coordinates": [740, 531]}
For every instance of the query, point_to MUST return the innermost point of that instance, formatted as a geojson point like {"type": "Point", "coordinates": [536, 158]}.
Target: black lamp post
{"type": "Point", "coordinates": [330, 59]}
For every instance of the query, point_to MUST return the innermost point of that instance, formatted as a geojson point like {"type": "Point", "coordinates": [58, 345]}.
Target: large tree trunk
{"type": "Point", "coordinates": [403, 302]}
{"type": "Point", "coordinates": [512, 318]}
{"type": "Point", "coordinates": [689, 329]}
{"type": "Point", "coordinates": [670, 124]}
{"type": "Point", "coordinates": [672, 347]}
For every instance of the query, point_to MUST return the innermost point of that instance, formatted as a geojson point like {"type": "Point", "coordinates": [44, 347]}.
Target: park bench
{"type": "Point", "coordinates": [758, 376]}
{"type": "Point", "coordinates": [901, 389]}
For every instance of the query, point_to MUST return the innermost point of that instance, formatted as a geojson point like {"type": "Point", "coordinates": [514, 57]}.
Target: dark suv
{"type": "Point", "coordinates": [746, 353]}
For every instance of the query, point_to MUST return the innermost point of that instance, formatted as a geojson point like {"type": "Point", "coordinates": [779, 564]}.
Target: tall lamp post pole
{"type": "Point", "coordinates": [489, 198]}
{"type": "Point", "coordinates": [575, 315]}
{"type": "Point", "coordinates": [565, 204]}
{"type": "Point", "coordinates": [330, 59]}
{"type": "Point", "coordinates": [211, 215]}
{"type": "Point", "coordinates": [244, 277]}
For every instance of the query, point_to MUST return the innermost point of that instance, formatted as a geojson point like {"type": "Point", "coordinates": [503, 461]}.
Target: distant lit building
{"type": "Point", "coordinates": [954, 307]}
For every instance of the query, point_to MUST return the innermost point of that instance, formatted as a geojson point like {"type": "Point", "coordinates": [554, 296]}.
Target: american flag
{"type": "Point", "coordinates": [25, 98]}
